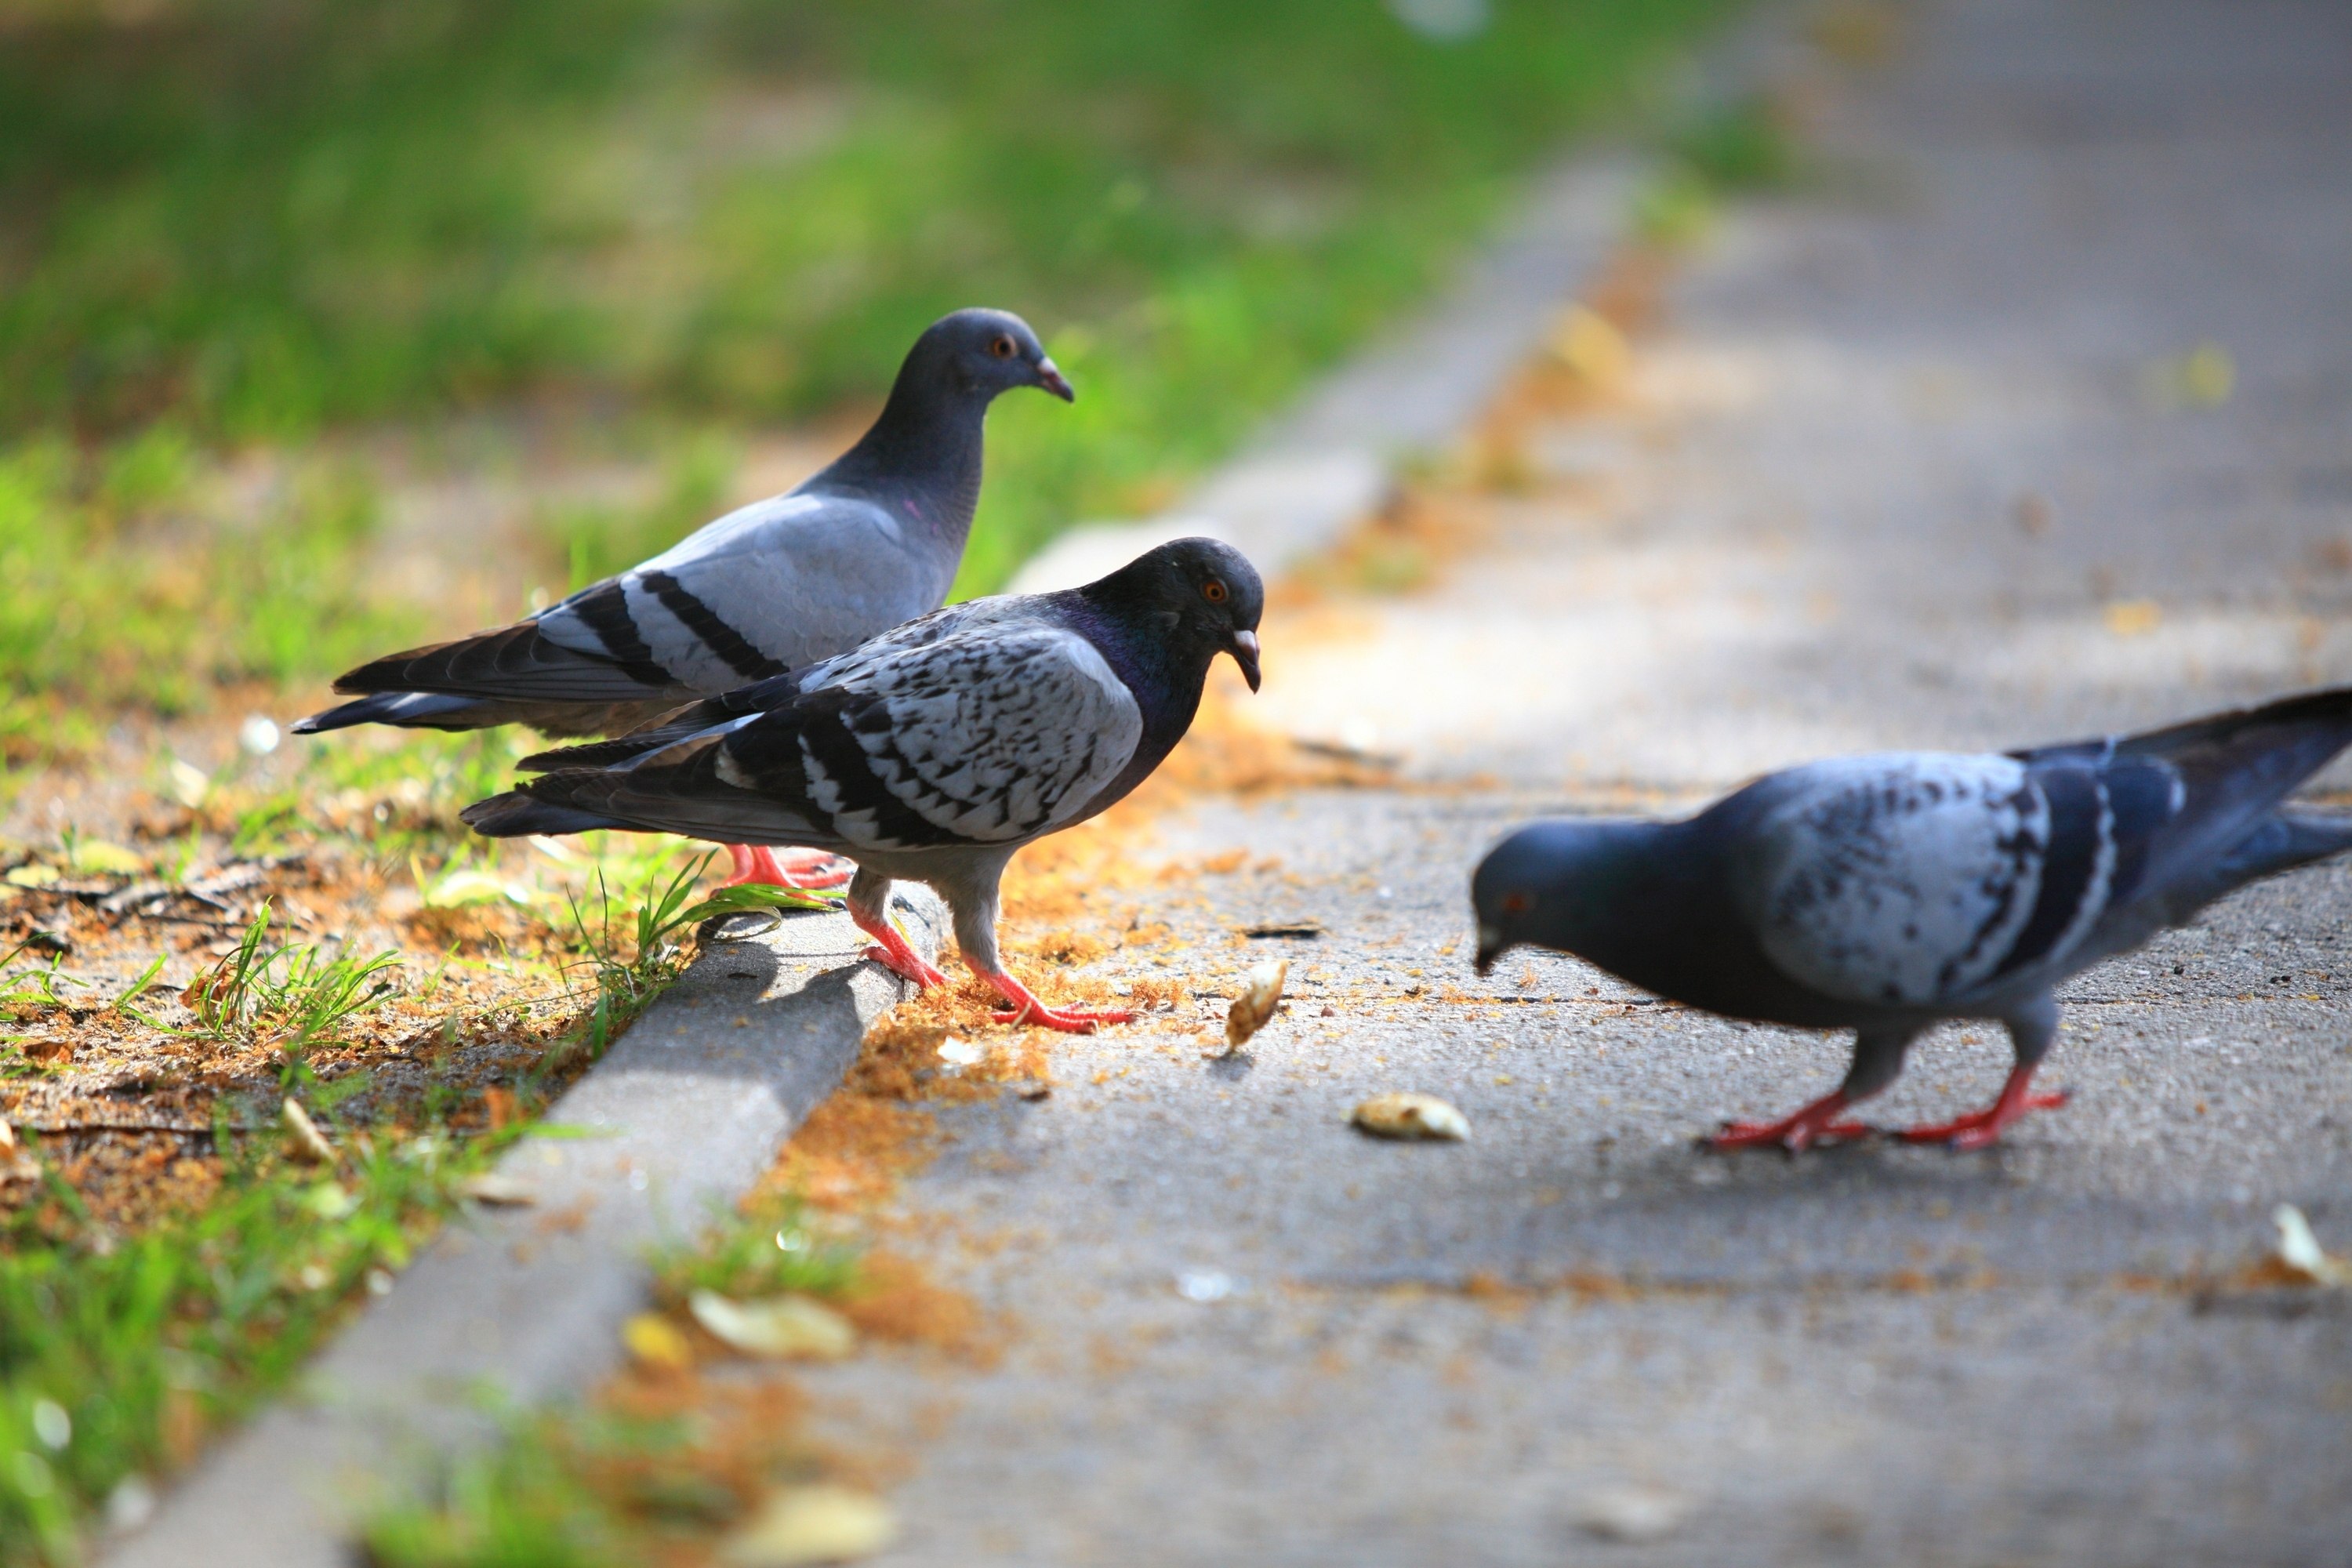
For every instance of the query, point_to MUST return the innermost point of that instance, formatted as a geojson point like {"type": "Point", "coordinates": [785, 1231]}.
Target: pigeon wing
{"type": "Point", "coordinates": [773, 586]}
{"type": "Point", "coordinates": [1898, 881]}
{"type": "Point", "coordinates": [990, 736]}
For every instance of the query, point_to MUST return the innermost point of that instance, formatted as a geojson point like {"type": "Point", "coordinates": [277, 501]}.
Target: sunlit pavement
{"type": "Point", "coordinates": [2029, 415]}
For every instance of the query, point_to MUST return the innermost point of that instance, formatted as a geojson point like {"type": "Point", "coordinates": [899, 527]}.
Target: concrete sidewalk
{"type": "Point", "coordinates": [2034, 419]}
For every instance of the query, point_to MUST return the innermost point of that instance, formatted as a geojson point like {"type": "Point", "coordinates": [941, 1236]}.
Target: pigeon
{"type": "Point", "coordinates": [934, 751]}
{"type": "Point", "coordinates": [1888, 893]}
{"type": "Point", "coordinates": [873, 541]}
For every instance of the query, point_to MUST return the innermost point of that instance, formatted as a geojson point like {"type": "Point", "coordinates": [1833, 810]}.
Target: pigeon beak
{"type": "Point", "coordinates": [1049, 376]}
{"type": "Point", "coordinates": [1243, 648]}
{"type": "Point", "coordinates": [1491, 946]}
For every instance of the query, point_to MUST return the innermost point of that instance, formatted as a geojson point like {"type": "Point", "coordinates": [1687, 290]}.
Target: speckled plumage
{"type": "Point", "coordinates": [936, 750]}
{"type": "Point", "coordinates": [1884, 893]}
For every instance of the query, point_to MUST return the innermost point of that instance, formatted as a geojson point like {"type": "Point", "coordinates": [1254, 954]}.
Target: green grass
{"type": "Point", "coordinates": [115, 594]}
{"type": "Point", "coordinates": [259, 222]}
{"type": "Point", "coordinates": [118, 1353]}
{"type": "Point", "coordinates": [135, 1345]}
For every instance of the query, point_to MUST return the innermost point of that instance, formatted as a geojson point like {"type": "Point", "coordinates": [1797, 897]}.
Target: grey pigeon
{"type": "Point", "coordinates": [873, 541]}
{"type": "Point", "coordinates": [1884, 894]}
{"type": "Point", "coordinates": [935, 751]}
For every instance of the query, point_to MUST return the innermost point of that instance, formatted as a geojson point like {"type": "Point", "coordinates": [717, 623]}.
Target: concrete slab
{"type": "Point", "coordinates": [1940, 453]}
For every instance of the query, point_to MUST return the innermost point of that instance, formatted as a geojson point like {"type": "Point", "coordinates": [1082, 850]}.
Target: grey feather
{"type": "Point", "coordinates": [1885, 893]}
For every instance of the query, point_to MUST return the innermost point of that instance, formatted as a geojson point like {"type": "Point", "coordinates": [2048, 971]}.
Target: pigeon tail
{"type": "Point", "coordinates": [515, 815]}
{"type": "Point", "coordinates": [2281, 842]}
{"type": "Point", "coordinates": [405, 710]}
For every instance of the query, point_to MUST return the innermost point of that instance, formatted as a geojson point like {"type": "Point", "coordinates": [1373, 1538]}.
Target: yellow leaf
{"type": "Point", "coordinates": [820, 1523]}
{"type": "Point", "coordinates": [786, 1328]}
{"type": "Point", "coordinates": [656, 1342]}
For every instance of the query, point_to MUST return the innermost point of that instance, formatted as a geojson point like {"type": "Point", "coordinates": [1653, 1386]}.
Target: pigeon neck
{"type": "Point", "coordinates": [1165, 673]}
{"type": "Point", "coordinates": [1634, 889]}
{"type": "Point", "coordinates": [922, 456]}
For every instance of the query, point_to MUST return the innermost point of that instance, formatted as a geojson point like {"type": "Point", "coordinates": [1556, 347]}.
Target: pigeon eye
{"type": "Point", "coordinates": [1002, 348]}
{"type": "Point", "coordinates": [1515, 903]}
{"type": "Point", "coordinates": [1213, 591]}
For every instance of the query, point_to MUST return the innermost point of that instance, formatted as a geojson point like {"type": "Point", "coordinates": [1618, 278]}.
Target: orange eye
{"type": "Point", "coordinates": [1002, 348]}
{"type": "Point", "coordinates": [1515, 903]}
{"type": "Point", "coordinates": [1213, 591]}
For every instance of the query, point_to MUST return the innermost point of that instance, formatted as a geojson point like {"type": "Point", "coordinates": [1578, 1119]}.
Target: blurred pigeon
{"type": "Point", "coordinates": [1887, 893]}
{"type": "Point", "coordinates": [936, 750]}
{"type": "Point", "coordinates": [869, 542]}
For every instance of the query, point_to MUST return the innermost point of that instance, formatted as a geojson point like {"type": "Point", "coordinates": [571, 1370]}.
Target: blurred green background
{"type": "Point", "coordinates": [232, 226]}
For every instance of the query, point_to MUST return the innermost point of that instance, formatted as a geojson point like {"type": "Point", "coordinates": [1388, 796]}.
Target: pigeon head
{"type": "Point", "coordinates": [1556, 884]}
{"type": "Point", "coordinates": [982, 353]}
{"type": "Point", "coordinates": [1194, 598]}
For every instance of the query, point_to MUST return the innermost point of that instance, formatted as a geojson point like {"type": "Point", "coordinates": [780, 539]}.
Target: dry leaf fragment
{"type": "Point", "coordinates": [304, 1141]}
{"type": "Point", "coordinates": [2300, 1253]}
{"type": "Point", "coordinates": [7, 1137]}
{"type": "Point", "coordinates": [658, 1342]}
{"type": "Point", "coordinates": [1590, 344]}
{"type": "Point", "coordinates": [1261, 994]}
{"type": "Point", "coordinates": [497, 1191]}
{"type": "Point", "coordinates": [783, 1328]}
{"type": "Point", "coordinates": [1634, 1514]}
{"type": "Point", "coordinates": [1405, 1115]}
{"type": "Point", "coordinates": [821, 1523]}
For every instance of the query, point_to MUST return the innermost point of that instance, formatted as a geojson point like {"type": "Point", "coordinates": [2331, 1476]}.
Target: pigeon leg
{"type": "Point", "coordinates": [1028, 1009]}
{"type": "Point", "coordinates": [806, 870]}
{"type": "Point", "coordinates": [1982, 1129]}
{"type": "Point", "coordinates": [868, 899]}
{"type": "Point", "coordinates": [970, 890]}
{"type": "Point", "coordinates": [1877, 1059]}
{"type": "Point", "coordinates": [2031, 1033]}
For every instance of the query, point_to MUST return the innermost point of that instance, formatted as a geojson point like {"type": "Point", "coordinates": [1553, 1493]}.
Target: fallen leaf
{"type": "Point", "coordinates": [658, 1342]}
{"type": "Point", "coordinates": [1633, 1514]}
{"type": "Point", "coordinates": [2299, 1251]}
{"type": "Point", "coordinates": [1405, 1115]}
{"type": "Point", "coordinates": [2133, 618]}
{"type": "Point", "coordinates": [821, 1523]}
{"type": "Point", "coordinates": [1261, 993]}
{"type": "Point", "coordinates": [1590, 344]}
{"type": "Point", "coordinates": [97, 857]}
{"type": "Point", "coordinates": [782, 1328]}
{"type": "Point", "coordinates": [497, 1191]}
{"type": "Point", "coordinates": [304, 1142]}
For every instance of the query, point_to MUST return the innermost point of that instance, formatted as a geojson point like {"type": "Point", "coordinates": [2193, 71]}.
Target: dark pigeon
{"type": "Point", "coordinates": [873, 541]}
{"type": "Point", "coordinates": [1885, 894]}
{"type": "Point", "coordinates": [935, 751]}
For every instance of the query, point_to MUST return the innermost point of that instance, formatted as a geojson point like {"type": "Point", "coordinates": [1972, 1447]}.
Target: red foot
{"type": "Point", "coordinates": [1793, 1133]}
{"type": "Point", "coordinates": [809, 871]}
{"type": "Point", "coordinates": [892, 952]}
{"type": "Point", "coordinates": [1028, 1009]}
{"type": "Point", "coordinates": [1982, 1128]}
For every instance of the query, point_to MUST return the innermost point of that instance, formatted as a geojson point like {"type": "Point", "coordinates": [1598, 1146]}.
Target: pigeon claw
{"type": "Point", "coordinates": [808, 870]}
{"type": "Point", "coordinates": [1028, 1009]}
{"type": "Point", "coordinates": [1982, 1128]}
{"type": "Point", "coordinates": [1794, 1134]}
